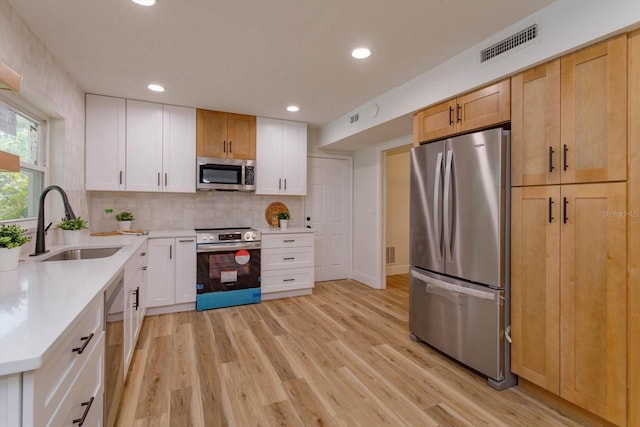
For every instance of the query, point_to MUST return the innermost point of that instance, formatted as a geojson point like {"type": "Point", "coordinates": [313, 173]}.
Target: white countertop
{"type": "Point", "coordinates": [40, 300]}
{"type": "Point", "coordinates": [289, 230]}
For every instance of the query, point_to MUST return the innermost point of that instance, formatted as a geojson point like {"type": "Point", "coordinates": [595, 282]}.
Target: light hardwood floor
{"type": "Point", "coordinates": [340, 357]}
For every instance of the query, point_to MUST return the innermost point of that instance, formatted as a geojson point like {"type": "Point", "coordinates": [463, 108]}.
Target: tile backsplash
{"type": "Point", "coordinates": [165, 211]}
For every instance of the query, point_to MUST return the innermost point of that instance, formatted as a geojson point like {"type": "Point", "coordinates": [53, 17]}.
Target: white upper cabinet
{"type": "Point", "coordinates": [144, 146]}
{"type": "Point", "coordinates": [281, 157]}
{"type": "Point", "coordinates": [179, 149]}
{"type": "Point", "coordinates": [105, 143]}
{"type": "Point", "coordinates": [139, 146]}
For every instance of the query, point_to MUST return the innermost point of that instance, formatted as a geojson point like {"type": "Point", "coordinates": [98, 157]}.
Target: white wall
{"type": "Point", "coordinates": [563, 26]}
{"type": "Point", "coordinates": [368, 212]}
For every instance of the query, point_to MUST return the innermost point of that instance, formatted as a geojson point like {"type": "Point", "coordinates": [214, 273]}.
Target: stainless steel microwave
{"type": "Point", "coordinates": [225, 174]}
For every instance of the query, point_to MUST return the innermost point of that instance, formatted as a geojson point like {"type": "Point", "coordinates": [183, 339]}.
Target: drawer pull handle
{"type": "Point", "coordinates": [288, 258]}
{"type": "Point", "coordinates": [289, 241]}
{"type": "Point", "coordinates": [187, 241]}
{"type": "Point", "coordinates": [80, 421]}
{"type": "Point", "coordinates": [289, 280]}
{"type": "Point", "coordinates": [86, 340]}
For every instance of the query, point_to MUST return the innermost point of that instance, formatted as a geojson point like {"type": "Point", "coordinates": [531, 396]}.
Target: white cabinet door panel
{"type": "Point", "coordinates": [161, 272]}
{"type": "Point", "coordinates": [179, 149]}
{"type": "Point", "coordinates": [144, 146]}
{"type": "Point", "coordinates": [269, 156]}
{"type": "Point", "coordinates": [105, 133]}
{"type": "Point", "coordinates": [294, 158]}
{"type": "Point", "coordinates": [185, 269]}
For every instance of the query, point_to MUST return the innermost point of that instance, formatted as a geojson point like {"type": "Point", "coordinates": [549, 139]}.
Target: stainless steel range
{"type": "Point", "coordinates": [228, 267]}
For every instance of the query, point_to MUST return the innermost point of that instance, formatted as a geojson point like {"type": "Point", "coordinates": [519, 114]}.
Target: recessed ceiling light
{"type": "Point", "coordinates": [293, 108]}
{"type": "Point", "coordinates": [156, 88]}
{"type": "Point", "coordinates": [361, 53]}
{"type": "Point", "coordinates": [145, 2]}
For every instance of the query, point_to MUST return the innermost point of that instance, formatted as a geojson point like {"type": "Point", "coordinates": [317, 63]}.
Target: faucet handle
{"type": "Point", "coordinates": [48, 226]}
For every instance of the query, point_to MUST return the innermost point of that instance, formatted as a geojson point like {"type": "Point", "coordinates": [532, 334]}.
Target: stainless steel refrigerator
{"type": "Point", "coordinates": [459, 276]}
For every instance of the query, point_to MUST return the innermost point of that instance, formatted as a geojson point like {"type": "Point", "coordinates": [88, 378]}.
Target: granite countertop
{"type": "Point", "coordinates": [40, 300]}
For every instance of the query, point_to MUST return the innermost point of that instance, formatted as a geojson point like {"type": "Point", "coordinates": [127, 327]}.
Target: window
{"type": "Point", "coordinates": [23, 136]}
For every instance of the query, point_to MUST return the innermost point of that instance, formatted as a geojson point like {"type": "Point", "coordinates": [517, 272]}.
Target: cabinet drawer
{"type": "Point", "coordinates": [53, 380]}
{"type": "Point", "coordinates": [287, 280]}
{"type": "Point", "coordinates": [275, 259]}
{"type": "Point", "coordinates": [85, 394]}
{"type": "Point", "coordinates": [287, 240]}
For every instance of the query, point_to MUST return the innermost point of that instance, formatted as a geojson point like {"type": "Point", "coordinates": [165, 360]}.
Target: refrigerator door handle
{"type": "Point", "coordinates": [447, 214]}
{"type": "Point", "coordinates": [437, 225]}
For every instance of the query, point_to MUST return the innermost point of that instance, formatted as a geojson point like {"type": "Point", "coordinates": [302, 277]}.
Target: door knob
{"type": "Point", "coordinates": [308, 218]}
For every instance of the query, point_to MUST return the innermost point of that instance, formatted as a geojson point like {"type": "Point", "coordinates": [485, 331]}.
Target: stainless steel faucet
{"type": "Point", "coordinates": [40, 231]}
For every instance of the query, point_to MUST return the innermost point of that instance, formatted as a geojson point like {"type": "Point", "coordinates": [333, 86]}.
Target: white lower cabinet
{"type": "Point", "coordinates": [69, 385]}
{"type": "Point", "coordinates": [171, 274]}
{"type": "Point", "coordinates": [287, 264]}
{"type": "Point", "coordinates": [134, 301]}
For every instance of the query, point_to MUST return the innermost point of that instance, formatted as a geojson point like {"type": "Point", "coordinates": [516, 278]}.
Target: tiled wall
{"type": "Point", "coordinates": [48, 90]}
{"type": "Point", "coordinates": [162, 211]}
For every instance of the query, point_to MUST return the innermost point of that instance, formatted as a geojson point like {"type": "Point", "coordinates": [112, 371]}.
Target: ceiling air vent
{"type": "Point", "coordinates": [509, 43]}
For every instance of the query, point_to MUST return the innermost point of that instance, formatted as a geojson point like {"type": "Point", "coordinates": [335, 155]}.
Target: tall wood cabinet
{"type": "Point", "coordinates": [225, 135]}
{"type": "Point", "coordinates": [569, 241]}
{"type": "Point", "coordinates": [475, 110]}
{"type": "Point", "coordinates": [569, 118]}
{"type": "Point", "coordinates": [633, 241]}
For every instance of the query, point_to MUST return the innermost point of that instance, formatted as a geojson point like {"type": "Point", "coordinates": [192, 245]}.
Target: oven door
{"type": "Point", "coordinates": [228, 270]}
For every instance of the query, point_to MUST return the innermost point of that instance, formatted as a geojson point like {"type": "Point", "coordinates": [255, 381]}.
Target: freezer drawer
{"type": "Point", "coordinates": [463, 321]}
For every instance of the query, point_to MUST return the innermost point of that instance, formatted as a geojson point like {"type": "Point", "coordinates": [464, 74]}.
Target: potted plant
{"type": "Point", "coordinates": [71, 229]}
{"type": "Point", "coordinates": [12, 237]}
{"type": "Point", "coordinates": [284, 217]}
{"type": "Point", "coordinates": [124, 219]}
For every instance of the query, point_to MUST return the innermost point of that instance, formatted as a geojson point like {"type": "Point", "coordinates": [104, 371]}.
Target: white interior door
{"type": "Point", "coordinates": [328, 211]}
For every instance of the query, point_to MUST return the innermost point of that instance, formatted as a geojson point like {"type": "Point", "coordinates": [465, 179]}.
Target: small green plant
{"type": "Point", "coordinates": [284, 215]}
{"type": "Point", "coordinates": [124, 216]}
{"type": "Point", "coordinates": [12, 236]}
{"type": "Point", "coordinates": [73, 224]}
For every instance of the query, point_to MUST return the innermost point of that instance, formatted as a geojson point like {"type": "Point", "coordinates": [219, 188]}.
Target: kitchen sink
{"type": "Point", "coordinates": [83, 253]}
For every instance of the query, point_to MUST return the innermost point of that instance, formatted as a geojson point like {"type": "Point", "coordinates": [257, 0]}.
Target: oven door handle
{"type": "Point", "coordinates": [222, 247]}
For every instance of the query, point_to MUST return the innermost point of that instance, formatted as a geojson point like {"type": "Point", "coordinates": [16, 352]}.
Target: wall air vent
{"type": "Point", "coordinates": [354, 118]}
{"type": "Point", "coordinates": [509, 43]}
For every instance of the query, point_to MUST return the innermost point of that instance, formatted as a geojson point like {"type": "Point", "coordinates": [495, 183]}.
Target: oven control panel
{"type": "Point", "coordinates": [210, 236]}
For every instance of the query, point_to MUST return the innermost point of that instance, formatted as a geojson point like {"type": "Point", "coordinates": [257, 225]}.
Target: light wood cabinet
{"type": "Point", "coordinates": [569, 118]}
{"type": "Point", "coordinates": [225, 135]}
{"type": "Point", "coordinates": [281, 157]}
{"type": "Point", "coordinates": [571, 308]}
{"type": "Point", "coordinates": [535, 126]}
{"type": "Point", "coordinates": [633, 242]}
{"type": "Point", "coordinates": [475, 110]}
{"type": "Point", "coordinates": [535, 281]}
{"type": "Point", "coordinates": [594, 113]}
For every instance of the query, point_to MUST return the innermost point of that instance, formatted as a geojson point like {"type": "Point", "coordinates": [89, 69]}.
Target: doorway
{"type": "Point", "coordinates": [396, 211]}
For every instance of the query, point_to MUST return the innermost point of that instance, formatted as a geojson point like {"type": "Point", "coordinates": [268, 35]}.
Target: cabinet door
{"type": "Point", "coordinates": [594, 112]}
{"type": "Point", "coordinates": [535, 276]}
{"type": "Point", "coordinates": [434, 122]}
{"type": "Point", "coordinates": [144, 146]}
{"type": "Point", "coordinates": [294, 158]}
{"type": "Point", "coordinates": [211, 133]}
{"type": "Point", "coordinates": [593, 299]}
{"type": "Point", "coordinates": [161, 272]}
{"type": "Point", "coordinates": [185, 270]}
{"type": "Point", "coordinates": [268, 156]}
{"type": "Point", "coordinates": [179, 149]}
{"type": "Point", "coordinates": [241, 136]}
{"type": "Point", "coordinates": [633, 203]}
{"type": "Point", "coordinates": [485, 107]}
{"type": "Point", "coordinates": [105, 143]}
{"type": "Point", "coordinates": [535, 126]}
